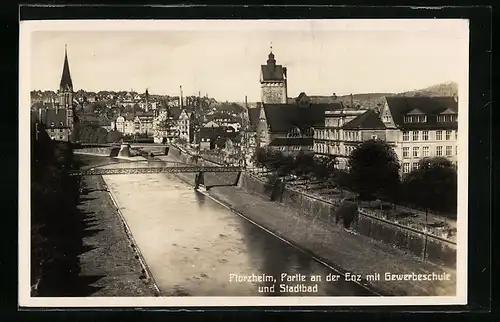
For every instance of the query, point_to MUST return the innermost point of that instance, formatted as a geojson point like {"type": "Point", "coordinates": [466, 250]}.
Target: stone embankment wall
{"type": "Point", "coordinates": [104, 151]}
{"type": "Point", "coordinates": [427, 247]}
{"type": "Point", "coordinates": [420, 244]}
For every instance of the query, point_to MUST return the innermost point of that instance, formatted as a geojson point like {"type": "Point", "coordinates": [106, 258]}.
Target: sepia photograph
{"type": "Point", "coordinates": [243, 162]}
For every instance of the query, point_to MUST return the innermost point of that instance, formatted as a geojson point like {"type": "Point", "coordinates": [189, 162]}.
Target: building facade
{"type": "Point", "coordinates": [421, 127]}
{"type": "Point", "coordinates": [416, 127]}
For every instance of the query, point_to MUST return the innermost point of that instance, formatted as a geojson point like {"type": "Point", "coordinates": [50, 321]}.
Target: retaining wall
{"type": "Point", "coordinates": [107, 151]}
{"type": "Point", "coordinates": [424, 246]}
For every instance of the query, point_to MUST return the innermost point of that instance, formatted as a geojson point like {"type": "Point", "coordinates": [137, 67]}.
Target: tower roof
{"type": "Point", "coordinates": [66, 76]}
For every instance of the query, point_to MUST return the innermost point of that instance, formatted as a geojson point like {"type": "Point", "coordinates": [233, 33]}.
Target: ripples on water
{"type": "Point", "coordinates": [193, 245]}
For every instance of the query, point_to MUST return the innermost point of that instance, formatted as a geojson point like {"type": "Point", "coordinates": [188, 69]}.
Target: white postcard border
{"type": "Point", "coordinates": [28, 27]}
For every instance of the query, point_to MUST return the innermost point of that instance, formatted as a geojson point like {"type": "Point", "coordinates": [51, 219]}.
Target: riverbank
{"type": "Point", "coordinates": [344, 250]}
{"type": "Point", "coordinates": [109, 261]}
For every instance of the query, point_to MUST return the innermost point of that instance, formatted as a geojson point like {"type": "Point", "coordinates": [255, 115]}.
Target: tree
{"type": "Point", "coordinates": [433, 185]}
{"type": "Point", "coordinates": [374, 169]}
{"type": "Point", "coordinates": [114, 136]}
{"type": "Point", "coordinates": [303, 163]}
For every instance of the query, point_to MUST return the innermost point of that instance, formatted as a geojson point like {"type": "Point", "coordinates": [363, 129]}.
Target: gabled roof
{"type": "Point", "coordinates": [213, 133]}
{"type": "Point", "coordinates": [399, 106]}
{"type": "Point", "coordinates": [51, 115]}
{"type": "Point", "coordinates": [291, 141]}
{"type": "Point", "coordinates": [415, 111]}
{"type": "Point", "coordinates": [366, 121]}
{"type": "Point", "coordinates": [253, 117]}
{"type": "Point", "coordinates": [283, 117]}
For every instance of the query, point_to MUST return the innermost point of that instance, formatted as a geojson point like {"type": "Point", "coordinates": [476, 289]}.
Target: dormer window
{"type": "Point", "coordinates": [447, 118]}
{"type": "Point", "coordinates": [52, 124]}
{"type": "Point", "coordinates": [61, 124]}
{"type": "Point", "coordinates": [415, 118]}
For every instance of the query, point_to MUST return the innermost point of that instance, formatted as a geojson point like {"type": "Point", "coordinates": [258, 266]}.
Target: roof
{"type": "Point", "coordinates": [283, 117]}
{"type": "Point", "coordinates": [291, 141]}
{"type": "Point", "coordinates": [58, 116]}
{"type": "Point", "coordinates": [253, 117]}
{"type": "Point", "coordinates": [369, 120]}
{"type": "Point", "coordinates": [271, 71]}
{"type": "Point", "coordinates": [215, 132]}
{"type": "Point", "coordinates": [66, 81]}
{"type": "Point", "coordinates": [174, 112]}
{"type": "Point", "coordinates": [399, 106]}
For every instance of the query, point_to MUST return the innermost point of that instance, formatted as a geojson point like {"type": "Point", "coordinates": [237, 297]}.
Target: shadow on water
{"type": "Point", "coordinates": [276, 257]}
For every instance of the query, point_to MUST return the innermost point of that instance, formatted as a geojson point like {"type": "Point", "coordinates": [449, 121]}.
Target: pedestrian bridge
{"type": "Point", "coordinates": [144, 167]}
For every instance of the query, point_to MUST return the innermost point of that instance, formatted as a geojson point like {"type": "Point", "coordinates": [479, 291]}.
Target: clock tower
{"type": "Point", "coordinates": [273, 82]}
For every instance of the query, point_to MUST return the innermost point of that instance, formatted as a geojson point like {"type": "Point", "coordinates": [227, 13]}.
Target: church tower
{"type": "Point", "coordinates": [66, 91]}
{"type": "Point", "coordinates": [273, 82]}
{"type": "Point", "coordinates": [66, 85]}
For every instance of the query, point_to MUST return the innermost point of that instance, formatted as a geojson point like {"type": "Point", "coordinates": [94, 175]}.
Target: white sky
{"type": "Point", "coordinates": [223, 58]}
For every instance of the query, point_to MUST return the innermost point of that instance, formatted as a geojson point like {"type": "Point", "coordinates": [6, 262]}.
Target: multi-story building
{"type": "Point", "coordinates": [416, 127]}
{"type": "Point", "coordinates": [344, 129]}
{"type": "Point", "coordinates": [421, 127]}
{"type": "Point", "coordinates": [58, 117]}
{"type": "Point", "coordinates": [172, 123]}
{"type": "Point", "coordinates": [288, 127]}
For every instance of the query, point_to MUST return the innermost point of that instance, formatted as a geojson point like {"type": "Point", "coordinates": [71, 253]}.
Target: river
{"type": "Point", "coordinates": [194, 246]}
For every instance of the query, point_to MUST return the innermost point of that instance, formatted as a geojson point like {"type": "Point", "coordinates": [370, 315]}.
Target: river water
{"type": "Point", "coordinates": [195, 246]}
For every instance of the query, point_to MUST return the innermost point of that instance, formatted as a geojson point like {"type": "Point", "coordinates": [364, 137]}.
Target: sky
{"type": "Point", "coordinates": [223, 58]}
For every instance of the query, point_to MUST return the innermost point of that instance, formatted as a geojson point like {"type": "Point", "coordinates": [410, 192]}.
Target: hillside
{"type": "Point", "coordinates": [370, 100]}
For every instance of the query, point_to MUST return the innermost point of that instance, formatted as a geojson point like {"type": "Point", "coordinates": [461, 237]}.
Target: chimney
{"type": "Point", "coordinates": [39, 114]}
{"type": "Point", "coordinates": [352, 101]}
{"type": "Point", "coordinates": [180, 98]}
{"type": "Point", "coordinates": [246, 102]}
{"type": "Point", "coordinates": [334, 96]}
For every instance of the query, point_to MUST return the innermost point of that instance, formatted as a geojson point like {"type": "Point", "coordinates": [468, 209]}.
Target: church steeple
{"type": "Point", "coordinates": [66, 83]}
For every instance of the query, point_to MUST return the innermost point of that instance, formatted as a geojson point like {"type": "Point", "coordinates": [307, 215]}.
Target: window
{"type": "Point", "coordinates": [406, 152]}
{"type": "Point", "coordinates": [374, 137]}
{"type": "Point", "coordinates": [425, 151]}
{"type": "Point", "coordinates": [414, 166]}
{"type": "Point", "coordinates": [61, 130]}
{"type": "Point", "coordinates": [456, 135]}
{"type": "Point", "coordinates": [447, 118]}
{"type": "Point", "coordinates": [425, 135]}
{"type": "Point", "coordinates": [415, 151]}
{"type": "Point", "coordinates": [406, 136]}
{"type": "Point", "coordinates": [456, 150]}
{"type": "Point", "coordinates": [406, 167]}
{"type": "Point", "coordinates": [449, 151]}
{"type": "Point", "coordinates": [439, 135]}
{"type": "Point", "coordinates": [415, 135]}
{"type": "Point", "coordinates": [439, 151]}
{"type": "Point", "coordinates": [415, 119]}
{"type": "Point", "coordinates": [448, 135]}
{"type": "Point", "coordinates": [60, 137]}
